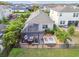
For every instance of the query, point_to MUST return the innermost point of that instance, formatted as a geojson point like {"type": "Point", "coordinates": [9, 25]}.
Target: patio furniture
{"type": "Point", "coordinates": [49, 41]}
{"type": "Point", "coordinates": [30, 40]}
{"type": "Point", "coordinates": [25, 37]}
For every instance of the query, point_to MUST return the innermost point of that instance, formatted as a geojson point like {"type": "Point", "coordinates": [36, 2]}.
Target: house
{"type": "Point", "coordinates": [4, 11]}
{"type": "Point", "coordinates": [65, 15]}
{"type": "Point", "coordinates": [19, 8]}
{"type": "Point", "coordinates": [23, 9]}
{"type": "Point", "coordinates": [2, 27]}
{"type": "Point", "coordinates": [35, 25]}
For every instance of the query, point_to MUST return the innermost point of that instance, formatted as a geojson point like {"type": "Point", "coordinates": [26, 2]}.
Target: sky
{"type": "Point", "coordinates": [41, 1]}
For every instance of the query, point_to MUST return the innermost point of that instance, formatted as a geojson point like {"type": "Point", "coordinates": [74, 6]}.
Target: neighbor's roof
{"type": "Point", "coordinates": [19, 8]}
{"type": "Point", "coordinates": [2, 27]}
{"type": "Point", "coordinates": [66, 9]}
{"type": "Point", "coordinates": [3, 7]}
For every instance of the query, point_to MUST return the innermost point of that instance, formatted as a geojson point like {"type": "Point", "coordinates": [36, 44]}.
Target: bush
{"type": "Point", "coordinates": [71, 30]}
{"type": "Point", "coordinates": [55, 28]}
{"type": "Point", "coordinates": [4, 21]}
{"type": "Point", "coordinates": [25, 16]}
{"type": "Point", "coordinates": [9, 38]}
{"type": "Point", "coordinates": [49, 31]}
{"type": "Point", "coordinates": [62, 34]}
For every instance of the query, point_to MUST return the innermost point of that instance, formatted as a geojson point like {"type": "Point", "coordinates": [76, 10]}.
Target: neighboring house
{"type": "Point", "coordinates": [36, 24]}
{"type": "Point", "coordinates": [12, 16]}
{"type": "Point", "coordinates": [4, 11]}
{"type": "Point", "coordinates": [2, 27]}
{"type": "Point", "coordinates": [49, 6]}
{"type": "Point", "coordinates": [19, 9]}
{"type": "Point", "coordinates": [65, 15]}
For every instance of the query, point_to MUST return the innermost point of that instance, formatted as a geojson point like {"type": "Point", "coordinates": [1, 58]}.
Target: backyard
{"type": "Point", "coordinates": [26, 52]}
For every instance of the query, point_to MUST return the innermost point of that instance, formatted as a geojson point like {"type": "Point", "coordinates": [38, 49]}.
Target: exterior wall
{"type": "Point", "coordinates": [54, 16]}
{"type": "Point", "coordinates": [50, 26]}
{"type": "Point", "coordinates": [7, 12]}
{"type": "Point", "coordinates": [66, 16]}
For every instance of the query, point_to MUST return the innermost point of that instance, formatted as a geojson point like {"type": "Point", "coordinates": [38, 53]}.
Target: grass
{"type": "Point", "coordinates": [23, 13]}
{"type": "Point", "coordinates": [19, 52]}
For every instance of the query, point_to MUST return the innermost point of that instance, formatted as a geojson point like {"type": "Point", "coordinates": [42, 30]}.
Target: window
{"type": "Point", "coordinates": [75, 14]}
{"type": "Point", "coordinates": [62, 22]}
{"type": "Point", "coordinates": [45, 27]}
{"type": "Point", "coordinates": [60, 14]}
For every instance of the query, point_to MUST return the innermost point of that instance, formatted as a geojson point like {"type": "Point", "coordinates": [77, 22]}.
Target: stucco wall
{"type": "Point", "coordinates": [66, 16]}
{"type": "Point", "coordinates": [54, 16]}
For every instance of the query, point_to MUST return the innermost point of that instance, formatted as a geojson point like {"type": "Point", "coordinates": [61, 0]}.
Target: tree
{"type": "Point", "coordinates": [13, 32]}
{"type": "Point", "coordinates": [34, 8]}
{"type": "Point", "coordinates": [9, 38]}
{"type": "Point", "coordinates": [4, 21]}
{"type": "Point", "coordinates": [4, 3]}
{"type": "Point", "coordinates": [14, 25]}
{"type": "Point", "coordinates": [61, 34]}
{"type": "Point", "coordinates": [71, 30]}
{"type": "Point", "coordinates": [25, 15]}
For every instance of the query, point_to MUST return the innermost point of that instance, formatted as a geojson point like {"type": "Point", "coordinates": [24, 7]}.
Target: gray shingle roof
{"type": "Point", "coordinates": [39, 17]}
{"type": "Point", "coordinates": [66, 9]}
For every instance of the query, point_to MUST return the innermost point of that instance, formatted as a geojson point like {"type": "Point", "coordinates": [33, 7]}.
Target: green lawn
{"type": "Point", "coordinates": [19, 52]}
{"type": "Point", "coordinates": [23, 13]}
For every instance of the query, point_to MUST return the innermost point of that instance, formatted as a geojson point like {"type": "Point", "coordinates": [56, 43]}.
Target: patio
{"type": "Point", "coordinates": [46, 42]}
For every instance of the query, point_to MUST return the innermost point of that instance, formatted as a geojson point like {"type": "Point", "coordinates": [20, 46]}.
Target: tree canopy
{"type": "Point", "coordinates": [4, 3]}
{"type": "Point", "coordinates": [13, 31]}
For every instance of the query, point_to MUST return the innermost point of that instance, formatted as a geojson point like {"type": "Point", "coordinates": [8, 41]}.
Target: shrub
{"type": "Point", "coordinates": [9, 38]}
{"type": "Point", "coordinates": [62, 34]}
{"type": "Point", "coordinates": [49, 31]}
{"type": "Point", "coordinates": [71, 30]}
{"type": "Point", "coordinates": [4, 21]}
